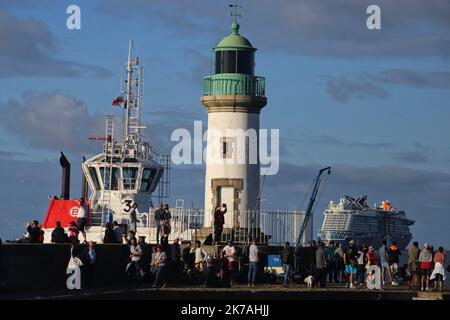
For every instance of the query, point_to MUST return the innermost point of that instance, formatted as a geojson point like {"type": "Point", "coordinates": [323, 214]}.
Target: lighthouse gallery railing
{"type": "Point", "coordinates": [234, 84]}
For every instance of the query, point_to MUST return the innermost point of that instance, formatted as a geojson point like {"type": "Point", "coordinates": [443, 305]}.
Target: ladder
{"type": "Point", "coordinates": [107, 172]}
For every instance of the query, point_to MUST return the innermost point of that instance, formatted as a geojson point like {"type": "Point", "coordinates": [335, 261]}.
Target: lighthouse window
{"type": "Point", "coordinates": [114, 178]}
{"type": "Point", "coordinates": [147, 177]}
{"type": "Point", "coordinates": [129, 178]}
{"type": "Point", "coordinates": [94, 177]}
{"type": "Point", "coordinates": [227, 147]}
{"type": "Point", "coordinates": [237, 61]}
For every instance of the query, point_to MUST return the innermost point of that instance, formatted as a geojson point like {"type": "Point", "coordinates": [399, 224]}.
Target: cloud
{"type": "Point", "coordinates": [164, 119]}
{"type": "Point", "coordinates": [51, 121]}
{"type": "Point", "coordinates": [412, 156]}
{"type": "Point", "coordinates": [335, 28]}
{"type": "Point", "coordinates": [344, 90]}
{"type": "Point", "coordinates": [369, 86]}
{"type": "Point", "coordinates": [417, 155]}
{"type": "Point", "coordinates": [412, 78]}
{"type": "Point", "coordinates": [27, 47]}
{"type": "Point", "coordinates": [329, 140]}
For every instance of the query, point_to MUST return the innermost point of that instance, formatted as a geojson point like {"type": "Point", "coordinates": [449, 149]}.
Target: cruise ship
{"type": "Point", "coordinates": [352, 218]}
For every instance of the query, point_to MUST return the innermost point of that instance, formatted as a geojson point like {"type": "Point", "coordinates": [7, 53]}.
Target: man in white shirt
{"type": "Point", "coordinates": [82, 218]}
{"type": "Point", "coordinates": [253, 255]}
{"type": "Point", "coordinates": [200, 255]}
{"type": "Point", "coordinates": [230, 253]}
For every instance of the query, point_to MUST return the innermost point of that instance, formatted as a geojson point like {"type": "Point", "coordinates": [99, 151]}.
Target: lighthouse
{"type": "Point", "coordinates": [233, 97]}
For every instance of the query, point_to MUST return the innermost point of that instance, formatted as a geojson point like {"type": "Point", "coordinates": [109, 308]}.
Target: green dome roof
{"type": "Point", "coordinates": [234, 41]}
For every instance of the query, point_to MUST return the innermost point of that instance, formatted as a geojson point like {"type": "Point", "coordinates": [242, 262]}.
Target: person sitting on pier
{"type": "Point", "coordinates": [73, 232]}
{"type": "Point", "coordinates": [200, 256]}
{"type": "Point", "coordinates": [118, 232]}
{"type": "Point", "coordinates": [33, 233]}
{"type": "Point", "coordinates": [110, 236]}
{"type": "Point", "coordinates": [58, 234]}
{"type": "Point", "coordinates": [225, 273]}
{"type": "Point", "coordinates": [160, 262]}
{"type": "Point", "coordinates": [131, 236]}
{"type": "Point", "coordinates": [188, 257]}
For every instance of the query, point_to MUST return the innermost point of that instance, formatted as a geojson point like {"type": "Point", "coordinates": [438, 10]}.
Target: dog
{"type": "Point", "coordinates": [309, 280]}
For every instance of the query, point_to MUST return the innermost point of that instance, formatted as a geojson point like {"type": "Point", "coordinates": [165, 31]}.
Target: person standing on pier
{"type": "Point", "coordinates": [394, 259]}
{"type": "Point", "coordinates": [331, 268]}
{"type": "Point", "coordinates": [340, 265]}
{"type": "Point", "coordinates": [425, 259]}
{"type": "Point", "coordinates": [321, 266]}
{"type": "Point", "coordinates": [159, 214]}
{"type": "Point", "coordinates": [135, 256]}
{"type": "Point", "coordinates": [439, 270]}
{"type": "Point", "coordinates": [219, 221]}
{"type": "Point", "coordinates": [413, 264]}
{"type": "Point", "coordinates": [351, 263]}
{"type": "Point", "coordinates": [230, 253]}
{"type": "Point", "coordinates": [133, 217]}
{"type": "Point", "coordinates": [89, 258]}
{"type": "Point", "coordinates": [82, 219]}
{"type": "Point", "coordinates": [384, 258]}
{"type": "Point", "coordinates": [287, 257]}
{"type": "Point", "coordinates": [253, 255]}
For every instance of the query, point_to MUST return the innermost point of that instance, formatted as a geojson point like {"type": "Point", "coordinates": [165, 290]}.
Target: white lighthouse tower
{"type": "Point", "coordinates": [233, 97]}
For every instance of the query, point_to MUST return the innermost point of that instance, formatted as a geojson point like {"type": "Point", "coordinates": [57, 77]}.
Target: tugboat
{"type": "Point", "coordinates": [126, 172]}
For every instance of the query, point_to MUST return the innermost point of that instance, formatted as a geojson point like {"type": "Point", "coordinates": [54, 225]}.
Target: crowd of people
{"type": "Point", "coordinates": [172, 264]}
{"type": "Point", "coordinates": [351, 265]}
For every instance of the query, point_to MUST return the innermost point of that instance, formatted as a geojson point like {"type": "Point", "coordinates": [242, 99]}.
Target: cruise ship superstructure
{"type": "Point", "coordinates": [352, 218]}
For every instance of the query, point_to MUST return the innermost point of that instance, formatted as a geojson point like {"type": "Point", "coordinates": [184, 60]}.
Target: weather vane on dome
{"type": "Point", "coordinates": [235, 14]}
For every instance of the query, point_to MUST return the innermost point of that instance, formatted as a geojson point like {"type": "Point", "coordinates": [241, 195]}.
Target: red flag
{"type": "Point", "coordinates": [118, 101]}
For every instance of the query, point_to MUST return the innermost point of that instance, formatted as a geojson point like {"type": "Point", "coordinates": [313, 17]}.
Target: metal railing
{"type": "Point", "coordinates": [233, 84]}
{"type": "Point", "coordinates": [272, 227]}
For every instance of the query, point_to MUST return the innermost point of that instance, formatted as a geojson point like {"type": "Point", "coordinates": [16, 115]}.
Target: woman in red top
{"type": "Point", "coordinates": [371, 258]}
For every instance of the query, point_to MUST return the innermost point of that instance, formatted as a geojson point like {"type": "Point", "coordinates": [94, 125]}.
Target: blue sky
{"type": "Point", "coordinates": [372, 104]}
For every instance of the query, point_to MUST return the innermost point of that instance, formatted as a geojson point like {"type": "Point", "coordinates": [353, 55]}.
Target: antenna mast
{"type": "Point", "coordinates": [133, 145]}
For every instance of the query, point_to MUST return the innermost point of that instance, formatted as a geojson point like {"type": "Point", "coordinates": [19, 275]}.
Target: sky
{"type": "Point", "coordinates": [373, 104]}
